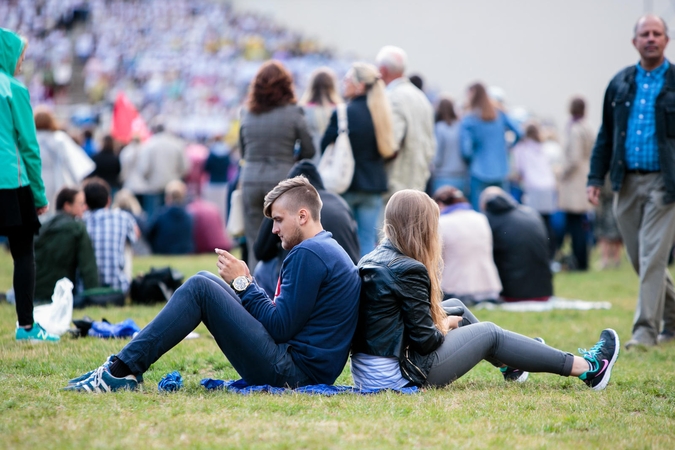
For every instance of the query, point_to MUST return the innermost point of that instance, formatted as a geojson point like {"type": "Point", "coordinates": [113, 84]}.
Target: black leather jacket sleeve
{"type": "Point", "coordinates": [412, 289]}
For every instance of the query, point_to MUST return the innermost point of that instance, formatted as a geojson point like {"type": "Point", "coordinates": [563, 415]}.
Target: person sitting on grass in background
{"type": "Point", "coordinates": [520, 247]}
{"type": "Point", "coordinates": [109, 230]}
{"type": "Point", "coordinates": [63, 248]}
{"type": "Point", "coordinates": [301, 337]}
{"type": "Point", "coordinates": [404, 336]}
{"type": "Point", "coordinates": [469, 271]}
{"type": "Point", "coordinates": [170, 230]}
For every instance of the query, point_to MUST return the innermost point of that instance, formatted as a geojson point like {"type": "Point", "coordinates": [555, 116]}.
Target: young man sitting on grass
{"type": "Point", "coordinates": [301, 337]}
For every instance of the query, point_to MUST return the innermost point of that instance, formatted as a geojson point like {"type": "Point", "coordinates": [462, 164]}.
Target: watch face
{"type": "Point", "coordinates": [240, 283]}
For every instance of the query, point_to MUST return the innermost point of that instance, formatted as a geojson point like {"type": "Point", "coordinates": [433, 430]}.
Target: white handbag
{"type": "Point", "coordinates": [336, 166]}
{"type": "Point", "coordinates": [235, 220]}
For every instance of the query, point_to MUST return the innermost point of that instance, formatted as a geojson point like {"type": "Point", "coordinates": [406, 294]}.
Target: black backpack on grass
{"type": "Point", "coordinates": [156, 286]}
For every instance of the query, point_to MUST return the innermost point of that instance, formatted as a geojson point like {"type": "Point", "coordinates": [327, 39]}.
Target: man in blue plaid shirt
{"type": "Point", "coordinates": [636, 146]}
{"type": "Point", "coordinates": [109, 230]}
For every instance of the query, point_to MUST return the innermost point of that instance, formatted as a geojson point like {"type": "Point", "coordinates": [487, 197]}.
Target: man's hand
{"type": "Point", "coordinates": [230, 267]}
{"type": "Point", "coordinates": [42, 209]}
{"type": "Point", "coordinates": [593, 193]}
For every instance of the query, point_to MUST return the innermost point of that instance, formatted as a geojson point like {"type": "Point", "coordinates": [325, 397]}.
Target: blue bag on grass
{"type": "Point", "coordinates": [105, 329]}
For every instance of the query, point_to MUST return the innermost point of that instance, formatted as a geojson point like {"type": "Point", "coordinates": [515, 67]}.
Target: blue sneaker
{"type": "Point", "coordinates": [101, 380]}
{"type": "Point", "coordinates": [601, 359]}
{"type": "Point", "coordinates": [36, 334]}
{"type": "Point", "coordinates": [107, 363]}
{"type": "Point", "coordinates": [517, 375]}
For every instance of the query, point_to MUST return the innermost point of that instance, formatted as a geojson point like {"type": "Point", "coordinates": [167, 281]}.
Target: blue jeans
{"type": "Point", "coordinates": [245, 342]}
{"type": "Point", "coordinates": [366, 207]}
{"type": "Point", "coordinates": [478, 186]}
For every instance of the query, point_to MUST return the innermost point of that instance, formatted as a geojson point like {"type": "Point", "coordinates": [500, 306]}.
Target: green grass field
{"type": "Point", "coordinates": [637, 410]}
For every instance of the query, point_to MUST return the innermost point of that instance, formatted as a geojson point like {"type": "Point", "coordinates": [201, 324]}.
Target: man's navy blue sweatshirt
{"type": "Point", "coordinates": [316, 309]}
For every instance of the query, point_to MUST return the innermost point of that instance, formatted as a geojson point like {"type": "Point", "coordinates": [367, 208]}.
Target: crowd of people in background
{"type": "Point", "coordinates": [245, 106]}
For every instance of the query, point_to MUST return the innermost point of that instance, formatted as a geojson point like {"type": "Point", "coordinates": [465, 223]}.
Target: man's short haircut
{"type": "Point", "coordinates": [578, 107]}
{"type": "Point", "coordinates": [65, 195]}
{"type": "Point", "coordinates": [176, 191]}
{"type": "Point", "coordinates": [96, 193]}
{"type": "Point", "coordinates": [298, 193]}
{"type": "Point", "coordinates": [665, 25]}
{"type": "Point", "coordinates": [393, 58]}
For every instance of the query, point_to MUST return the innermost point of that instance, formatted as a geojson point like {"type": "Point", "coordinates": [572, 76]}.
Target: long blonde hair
{"type": "Point", "coordinates": [321, 88]}
{"type": "Point", "coordinates": [378, 104]}
{"type": "Point", "coordinates": [411, 225]}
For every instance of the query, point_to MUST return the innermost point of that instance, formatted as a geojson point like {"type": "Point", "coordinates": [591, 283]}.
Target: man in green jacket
{"type": "Point", "coordinates": [63, 248]}
{"type": "Point", "coordinates": [22, 192]}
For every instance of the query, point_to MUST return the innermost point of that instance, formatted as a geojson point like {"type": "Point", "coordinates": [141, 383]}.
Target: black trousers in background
{"type": "Point", "coordinates": [574, 226]}
{"type": "Point", "coordinates": [21, 249]}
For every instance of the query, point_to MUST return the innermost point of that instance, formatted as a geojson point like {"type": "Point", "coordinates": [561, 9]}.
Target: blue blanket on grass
{"type": "Point", "coordinates": [241, 387]}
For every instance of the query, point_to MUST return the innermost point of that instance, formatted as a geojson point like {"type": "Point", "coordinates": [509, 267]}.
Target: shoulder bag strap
{"type": "Point", "coordinates": [342, 118]}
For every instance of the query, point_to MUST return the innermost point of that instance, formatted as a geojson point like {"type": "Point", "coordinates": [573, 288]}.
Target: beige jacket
{"type": "Point", "coordinates": [469, 267]}
{"type": "Point", "coordinates": [576, 165]}
{"type": "Point", "coordinates": [413, 120]}
{"type": "Point", "coordinates": [162, 159]}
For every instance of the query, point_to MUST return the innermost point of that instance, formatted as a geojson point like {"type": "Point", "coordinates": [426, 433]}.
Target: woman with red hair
{"type": "Point", "coordinates": [271, 125]}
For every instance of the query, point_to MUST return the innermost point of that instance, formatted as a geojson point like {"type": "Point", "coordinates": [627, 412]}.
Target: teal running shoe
{"type": "Point", "coordinates": [601, 359]}
{"type": "Point", "coordinates": [107, 363]}
{"type": "Point", "coordinates": [36, 334]}
{"type": "Point", "coordinates": [101, 380]}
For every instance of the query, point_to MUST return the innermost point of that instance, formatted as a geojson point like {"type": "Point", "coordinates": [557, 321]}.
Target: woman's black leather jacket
{"type": "Point", "coordinates": [395, 312]}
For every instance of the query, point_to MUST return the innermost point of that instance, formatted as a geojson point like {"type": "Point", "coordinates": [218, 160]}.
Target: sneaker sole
{"type": "Point", "coordinates": [36, 341]}
{"type": "Point", "coordinates": [608, 372]}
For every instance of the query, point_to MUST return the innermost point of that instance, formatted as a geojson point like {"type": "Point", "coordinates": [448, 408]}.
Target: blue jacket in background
{"type": "Point", "coordinates": [170, 231]}
{"type": "Point", "coordinates": [316, 309]}
{"type": "Point", "coordinates": [484, 146]}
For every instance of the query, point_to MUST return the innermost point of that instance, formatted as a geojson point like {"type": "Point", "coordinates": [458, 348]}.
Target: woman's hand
{"type": "Point", "coordinates": [452, 322]}
{"type": "Point", "coordinates": [42, 209]}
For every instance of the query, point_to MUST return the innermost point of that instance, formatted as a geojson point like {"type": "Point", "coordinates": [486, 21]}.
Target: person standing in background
{"type": "Point", "coordinates": [483, 143]}
{"type": "Point", "coordinates": [636, 145]}
{"type": "Point", "coordinates": [413, 119]}
{"type": "Point", "coordinates": [572, 187]}
{"type": "Point", "coordinates": [534, 172]}
{"type": "Point", "coordinates": [64, 162]}
{"type": "Point", "coordinates": [448, 167]}
{"type": "Point", "coordinates": [22, 192]}
{"type": "Point", "coordinates": [271, 125]}
{"type": "Point", "coordinates": [370, 134]}
{"type": "Point", "coordinates": [108, 165]}
{"type": "Point", "coordinates": [318, 102]}
{"type": "Point", "coordinates": [161, 159]}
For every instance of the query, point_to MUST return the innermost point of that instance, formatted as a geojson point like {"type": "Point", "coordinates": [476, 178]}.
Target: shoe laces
{"type": "Point", "coordinates": [97, 376]}
{"type": "Point", "coordinates": [593, 352]}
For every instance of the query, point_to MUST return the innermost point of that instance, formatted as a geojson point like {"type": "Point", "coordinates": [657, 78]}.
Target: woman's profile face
{"type": "Point", "coordinates": [19, 63]}
{"type": "Point", "coordinates": [350, 87]}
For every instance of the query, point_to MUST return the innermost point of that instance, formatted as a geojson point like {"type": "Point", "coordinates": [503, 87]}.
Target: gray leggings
{"type": "Point", "coordinates": [474, 341]}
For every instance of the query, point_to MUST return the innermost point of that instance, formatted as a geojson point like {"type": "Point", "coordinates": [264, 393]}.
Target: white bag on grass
{"type": "Point", "coordinates": [56, 316]}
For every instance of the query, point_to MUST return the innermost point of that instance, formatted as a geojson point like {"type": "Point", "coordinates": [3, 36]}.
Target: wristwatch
{"type": "Point", "coordinates": [240, 283]}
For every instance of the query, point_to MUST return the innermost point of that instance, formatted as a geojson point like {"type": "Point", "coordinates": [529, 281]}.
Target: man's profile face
{"type": "Point", "coordinates": [286, 224]}
{"type": "Point", "coordinates": [650, 38]}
